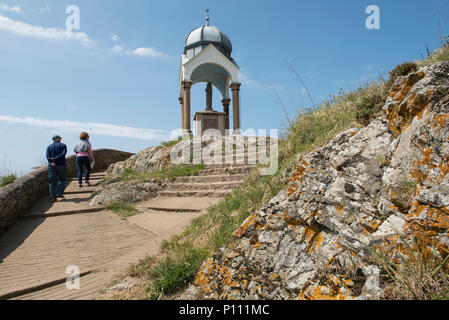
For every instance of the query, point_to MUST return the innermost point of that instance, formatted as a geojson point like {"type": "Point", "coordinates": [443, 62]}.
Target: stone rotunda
{"type": "Point", "coordinates": [207, 58]}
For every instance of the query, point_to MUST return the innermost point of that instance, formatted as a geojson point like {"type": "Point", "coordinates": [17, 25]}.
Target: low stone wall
{"type": "Point", "coordinates": [18, 197]}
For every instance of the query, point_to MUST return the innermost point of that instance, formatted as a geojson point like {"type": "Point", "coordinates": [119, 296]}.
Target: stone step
{"type": "Point", "coordinates": [181, 186]}
{"type": "Point", "coordinates": [221, 170]}
{"type": "Point", "coordinates": [86, 191]}
{"type": "Point", "coordinates": [203, 193]}
{"type": "Point", "coordinates": [230, 166]}
{"type": "Point", "coordinates": [194, 204]}
{"type": "Point", "coordinates": [91, 178]}
{"type": "Point", "coordinates": [63, 213]}
{"type": "Point", "coordinates": [212, 178]}
{"type": "Point", "coordinates": [170, 209]}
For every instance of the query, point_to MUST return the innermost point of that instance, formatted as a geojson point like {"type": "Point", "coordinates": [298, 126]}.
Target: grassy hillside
{"type": "Point", "coordinates": [182, 256]}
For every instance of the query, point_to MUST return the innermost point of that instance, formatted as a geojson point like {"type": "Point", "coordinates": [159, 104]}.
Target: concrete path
{"type": "Point", "coordinates": [36, 251]}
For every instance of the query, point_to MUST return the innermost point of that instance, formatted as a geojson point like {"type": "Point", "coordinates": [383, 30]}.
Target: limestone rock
{"type": "Point", "coordinates": [127, 192]}
{"type": "Point", "coordinates": [146, 160]}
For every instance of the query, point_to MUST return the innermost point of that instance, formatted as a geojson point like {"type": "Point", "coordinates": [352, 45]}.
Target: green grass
{"type": "Point", "coordinates": [171, 143]}
{"type": "Point", "coordinates": [4, 181]}
{"type": "Point", "coordinates": [122, 209]}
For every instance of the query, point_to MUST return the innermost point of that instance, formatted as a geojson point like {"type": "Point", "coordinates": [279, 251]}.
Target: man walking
{"type": "Point", "coordinates": [56, 168]}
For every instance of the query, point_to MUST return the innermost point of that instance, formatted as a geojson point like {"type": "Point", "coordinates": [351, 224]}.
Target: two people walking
{"type": "Point", "coordinates": [57, 168]}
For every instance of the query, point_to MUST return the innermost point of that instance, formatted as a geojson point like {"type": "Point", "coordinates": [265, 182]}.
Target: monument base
{"type": "Point", "coordinates": [205, 120]}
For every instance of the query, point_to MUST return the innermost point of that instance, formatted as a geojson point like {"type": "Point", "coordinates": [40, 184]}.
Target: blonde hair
{"type": "Point", "coordinates": [84, 135]}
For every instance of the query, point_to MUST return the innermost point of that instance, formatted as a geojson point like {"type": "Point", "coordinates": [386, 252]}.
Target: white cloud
{"type": "Point", "coordinates": [277, 87]}
{"type": "Point", "coordinates": [5, 7]}
{"type": "Point", "coordinates": [93, 128]}
{"type": "Point", "coordinates": [147, 52]}
{"type": "Point", "coordinates": [54, 34]}
{"type": "Point", "coordinates": [246, 80]}
{"type": "Point", "coordinates": [118, 48]}
{"type": "Point", "coordinates": [115, 37]}
{"type": "Point", "coordinates": [46, 9]}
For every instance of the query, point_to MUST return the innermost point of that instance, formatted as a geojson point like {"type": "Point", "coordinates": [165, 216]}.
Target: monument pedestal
{"type": "Point", "coordinates": [205, 120]}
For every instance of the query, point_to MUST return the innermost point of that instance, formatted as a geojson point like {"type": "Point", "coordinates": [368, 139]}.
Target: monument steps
{"type": "Point", "coordinates": [194, 186]}
{"type": "Point", "coordinates": [211, 178]}
{"type": "Point", "coordinates": [202, 193]}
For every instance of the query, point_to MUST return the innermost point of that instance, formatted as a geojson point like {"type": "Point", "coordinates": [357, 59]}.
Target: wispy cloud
{"type": "Point", "coordinates": [147, 52]}
{"type": "Point", "coordinates": [115, 38]}
{"type": "Point", "coordinates": [5, 7]}
{"type": "Point", "coordinates": [246, 80]}
{"type": "Point", "coordinates": [118, 48]}
{"type": "Point", "coordinates": [92, 127]}
{"type": "Point", "coordinates": [277, 87]}
{"type": "Point", "coordinates": [52, 34]}
{"type": "Point", "coordinates": [45, 9]}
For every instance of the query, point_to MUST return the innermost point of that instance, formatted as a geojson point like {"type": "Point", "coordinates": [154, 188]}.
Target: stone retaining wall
{"type": "Point", "coordinates": [18, 197]}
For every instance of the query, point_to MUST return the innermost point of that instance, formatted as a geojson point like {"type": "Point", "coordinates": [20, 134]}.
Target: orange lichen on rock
{"type": "Point", "coordinates": [250, 221]}
{"type": "Point", "coordinates": [439, 120]}
{"type": "Point", "coordinates": [297, 176]}
{"type": "Point", "coordinates": [401, 112]}
{"type": "Point", "coordinates": [334, 288]}
{"type": "Point", "coordinates": [370, 224]}
{"type": "Point", "coordinates": [419, 172]}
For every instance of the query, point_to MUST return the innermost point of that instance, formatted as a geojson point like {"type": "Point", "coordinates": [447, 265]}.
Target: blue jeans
{"type": "Point", "coordinates": [83, 162]}
{"type": "Point", "coordinates": [56, 180]}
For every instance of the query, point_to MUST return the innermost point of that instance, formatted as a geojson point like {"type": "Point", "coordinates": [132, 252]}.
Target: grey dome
{"type": "Point", "coordinates": [205, 35]}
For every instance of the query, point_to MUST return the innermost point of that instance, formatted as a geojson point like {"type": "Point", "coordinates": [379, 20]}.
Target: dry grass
{"type": "Point", "coordinates": [414, 270]}
{"type": "Point", "coordinates": [439, 55]}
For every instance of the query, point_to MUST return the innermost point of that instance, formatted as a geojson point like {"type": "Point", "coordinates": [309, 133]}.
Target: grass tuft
{"type": "Point", "coordinates": [4, 181]}
{"type": "Point", "coordinates": [122, 209]}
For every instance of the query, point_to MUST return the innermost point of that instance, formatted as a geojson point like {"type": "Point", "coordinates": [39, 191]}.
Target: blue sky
{"type": "Point", "coordinates": [120, 72]}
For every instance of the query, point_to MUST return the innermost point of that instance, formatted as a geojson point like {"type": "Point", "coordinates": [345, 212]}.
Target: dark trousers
{"type": "Point", "coordinates": [83, 162]}
{"type": "Point", "coordinates": [56, 180]}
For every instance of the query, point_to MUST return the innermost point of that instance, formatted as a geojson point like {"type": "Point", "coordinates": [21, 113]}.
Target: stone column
{"type": "Point", "coordinates": [209, 97]}
{"type": "Point", "coordinates": [186, 85]}
{"type": "Point", "coordinates": [226, 103]}
{"type": "Point", "coordinates": [235, 87]}
{"type": "Point", "coordinates": [182, 112]}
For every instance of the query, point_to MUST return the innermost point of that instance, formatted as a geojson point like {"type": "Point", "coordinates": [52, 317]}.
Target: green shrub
{"type": "Point", "coordinates": [401, 70]}
{"type": "Point", "coordinates": [370, 103]}
{"type": "Point", "coordinates": [4, 181]}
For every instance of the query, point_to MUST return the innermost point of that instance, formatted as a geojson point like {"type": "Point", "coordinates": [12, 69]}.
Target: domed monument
{"type": "Point", "coordinates": [207, 58]}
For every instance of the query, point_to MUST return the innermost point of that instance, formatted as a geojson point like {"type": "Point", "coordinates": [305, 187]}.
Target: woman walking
{"type": "Point", "coordinates": [84, 157]}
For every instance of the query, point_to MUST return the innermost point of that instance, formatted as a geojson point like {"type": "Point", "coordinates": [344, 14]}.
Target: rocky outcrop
{"type": "Point", "coordinates": [147, 160]}
{"type": "Point", "coordinates": [127, 192]}
{"type": "Point", "coordinates": [382, 188]}
{"type": "Point", "coordinates": [115, 190]}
